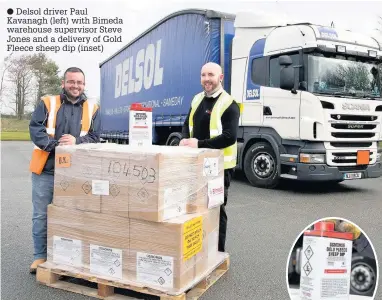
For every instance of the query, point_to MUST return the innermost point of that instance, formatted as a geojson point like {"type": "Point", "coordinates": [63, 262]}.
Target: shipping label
{"type": "Point", "coordinates": [67, 251]}
{"type": "Point", "coordinates": [100, 187]}
{"type": "Point", "coordinates": [216, 192]}
{"type": "Point", "coordinates": [155, 269]}
{"type": "Point", "coordinates": [175, 201]}
{"type": "Point", "coordinates": [106, 261]}
{"type": "Point", "coordinates": [211, 166]}
{"type": "Point", "coordinates": [63, 160]}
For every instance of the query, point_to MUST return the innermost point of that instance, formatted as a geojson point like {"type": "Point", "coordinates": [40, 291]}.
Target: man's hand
{"type": "Point", "coordinates": [193, 143]}
{"type": "Point", "coordinates": [67, 139]}
{"type": "Point", "coordinates": [183, 142]}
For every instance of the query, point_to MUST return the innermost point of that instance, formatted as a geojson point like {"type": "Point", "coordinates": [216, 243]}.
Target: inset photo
{"type": "Point", "coordinates": [332, 259]}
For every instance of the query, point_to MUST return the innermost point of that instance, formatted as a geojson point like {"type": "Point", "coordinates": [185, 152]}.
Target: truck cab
{"type": "Point", "coordinates": [311, 101]}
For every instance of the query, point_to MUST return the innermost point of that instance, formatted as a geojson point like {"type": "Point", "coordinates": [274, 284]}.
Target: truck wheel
{"type": "Point", "coordinates": [174, 141]}
{"type": "Point", "coordinates": [260, 166]}
{"type": "Point", "coordinates": [363, 276]}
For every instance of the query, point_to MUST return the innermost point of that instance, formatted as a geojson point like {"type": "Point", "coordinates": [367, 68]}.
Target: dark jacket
{"type": "Point", "coordinates": [201, 130]}
{"type": "Point", "coordinates": [68, 121]}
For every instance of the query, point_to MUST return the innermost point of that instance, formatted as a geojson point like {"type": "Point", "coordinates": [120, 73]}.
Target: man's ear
{"type": "Point", "coordinates": [62, 83]}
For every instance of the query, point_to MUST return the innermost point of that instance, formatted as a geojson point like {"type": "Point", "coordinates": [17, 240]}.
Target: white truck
{"type": "Point", "coordinates": [310, 95]}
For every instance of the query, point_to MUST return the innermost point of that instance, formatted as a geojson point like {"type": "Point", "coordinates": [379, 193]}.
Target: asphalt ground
{"type": "Point", "coordinates": [262, 227]}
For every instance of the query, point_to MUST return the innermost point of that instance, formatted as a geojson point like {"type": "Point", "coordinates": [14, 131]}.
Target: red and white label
{"type": "Point", "coordinates": [325, 268]}
{"type": "Point", "coordinates": [216, 192]}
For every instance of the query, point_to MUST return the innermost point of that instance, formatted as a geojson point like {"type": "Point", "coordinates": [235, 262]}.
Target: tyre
{"type": "Point", "coordinates": [174, 141]}
{"type": "Point", "coordinates": [260, 166]}
{"type": "Point", "coordinates": [363, 276]}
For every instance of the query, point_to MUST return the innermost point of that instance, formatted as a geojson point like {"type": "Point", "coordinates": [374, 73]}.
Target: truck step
{"type": "Point", "coordinates": [288, 176]}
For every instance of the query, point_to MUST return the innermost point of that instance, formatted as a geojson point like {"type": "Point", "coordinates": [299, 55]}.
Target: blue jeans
{"type": "Point", "coordinates": [42, 196]}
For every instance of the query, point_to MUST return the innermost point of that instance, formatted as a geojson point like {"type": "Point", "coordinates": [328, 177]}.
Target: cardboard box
{"type": "Point", "coordinates": [116, 176]}
{"type": "Point", "coordinates": [74, 176]}
{"type": "Point", "coordinates": [208, 181]}
{"type": "Point", "coordinates": [65, 237]}
{"type": "Point", "coordinates": [163, 254]}
{"type": "Point", "coordinates": [207, 257]}
{"type": "Point", "coordinates": [92, 243]}
{"type": "Point", "coordinates": [155, 183]}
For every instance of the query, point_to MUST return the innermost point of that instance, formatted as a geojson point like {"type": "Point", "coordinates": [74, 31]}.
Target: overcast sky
{"type": "Point", "coordinates": [138, 15]}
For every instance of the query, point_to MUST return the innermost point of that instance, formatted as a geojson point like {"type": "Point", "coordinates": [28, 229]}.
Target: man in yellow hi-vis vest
{"type": "Point", "coordinates": [212, 123]}
{"type": "Point", "coordinates": [65, 119]}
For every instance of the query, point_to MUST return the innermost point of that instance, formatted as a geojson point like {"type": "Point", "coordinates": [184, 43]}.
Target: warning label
{"type": "Point", "coordinates": [106, 261]}
{"type": "Point", "coordinates": [308, 252]}
{"type": "Point", "coordinates": [192, 237]}
{"type": "Point", "coordinates": [67, 251]}
{"type": "Point", "coordinates": [326, 265]}
{"type": "Point", "coordinates": [155, 269]}
{"type": "Point", "coordinates": [307, 268]}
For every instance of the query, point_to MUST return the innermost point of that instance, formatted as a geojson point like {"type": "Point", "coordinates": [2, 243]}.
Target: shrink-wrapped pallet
{"type": "Point", "coordinates": [169, 256]}
{"type": "Point", "coordinates": [155, 183]}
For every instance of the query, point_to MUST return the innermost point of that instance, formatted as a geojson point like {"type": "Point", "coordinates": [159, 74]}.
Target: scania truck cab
{"type": "Point", "coordinates": [311, 101]}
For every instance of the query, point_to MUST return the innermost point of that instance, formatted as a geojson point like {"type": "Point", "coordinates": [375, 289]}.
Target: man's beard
{"type": "Point", "coordinates": [218, 86]}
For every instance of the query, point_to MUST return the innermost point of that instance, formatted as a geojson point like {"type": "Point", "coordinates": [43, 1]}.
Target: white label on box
{"type": "Point", "coordinates": [67, 251]}
{"type": "Point", "coordinates": [100, 187]}
{"type": "Point", "coordinates": [216, 192]}
{"type": "Point", "coordinates": [175, 202]}
{"type": "Point", "coordinates": [211, 166]}
{"type": "Point", "coordinates": [106, 261]}
{"type": "Point", "coordinates": [155, 269]}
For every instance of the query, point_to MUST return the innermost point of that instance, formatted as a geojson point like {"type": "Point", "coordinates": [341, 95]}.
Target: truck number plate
{"type": "Point", "coordinates": [349, 176]}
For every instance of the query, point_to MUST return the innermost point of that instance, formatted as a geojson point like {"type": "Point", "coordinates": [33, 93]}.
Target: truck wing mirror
{"type": "Point", "coordinates": [285, 60]}
{"type": "Point", "coordinates": [287, 78]}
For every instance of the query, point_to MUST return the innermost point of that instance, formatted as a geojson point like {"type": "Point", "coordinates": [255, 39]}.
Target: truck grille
{"type": "Point", "coordinates": [353, 135]}
{"type": "Point", "coordinates": [353, 127]}
{"type": "Point", "coordinates": [341, 117]}
{"type": "Point", "coordinates": [351, 144]}
{"type": "Point", "coordinates": [341, 154]}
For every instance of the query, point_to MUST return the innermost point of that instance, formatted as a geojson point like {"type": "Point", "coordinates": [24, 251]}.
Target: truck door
{"type": "Point", "coordinates": [282, 107]}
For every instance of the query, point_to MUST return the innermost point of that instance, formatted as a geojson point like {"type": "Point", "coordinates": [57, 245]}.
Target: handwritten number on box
{"type": "Point", "coordinates": [140, 172]}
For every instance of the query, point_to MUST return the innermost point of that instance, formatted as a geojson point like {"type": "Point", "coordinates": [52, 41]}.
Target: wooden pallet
{"type": "Point", "coordinates": [106, 289]}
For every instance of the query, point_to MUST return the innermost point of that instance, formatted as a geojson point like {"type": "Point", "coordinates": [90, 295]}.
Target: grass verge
{"type": "Point", "coordinates": [15, 136]}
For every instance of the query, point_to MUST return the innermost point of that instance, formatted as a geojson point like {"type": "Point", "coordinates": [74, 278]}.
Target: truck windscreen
{"type": "Point", "coordinates": [342, 76]}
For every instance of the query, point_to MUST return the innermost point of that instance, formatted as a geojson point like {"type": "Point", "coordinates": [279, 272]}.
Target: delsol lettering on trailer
{"type": "Point", "coordinates": [159, 69]}
{"type": "Point", "coordinates": [140, 72]}
{"type": "Point", "coordinates": [253, 90]}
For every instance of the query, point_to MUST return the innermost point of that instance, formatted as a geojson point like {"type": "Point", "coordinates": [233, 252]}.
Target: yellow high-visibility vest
{"type": "Point", "coordinates": [216, 128]}
{"type": "Point", "coordinates": [53, 103]}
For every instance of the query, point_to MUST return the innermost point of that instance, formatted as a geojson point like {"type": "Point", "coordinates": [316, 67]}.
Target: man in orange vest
{"type": "Point", "coordinates": [65, 119]}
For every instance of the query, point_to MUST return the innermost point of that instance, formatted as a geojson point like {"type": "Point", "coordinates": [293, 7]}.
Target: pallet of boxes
{"type": "Point", "coordinates": [130, 220]}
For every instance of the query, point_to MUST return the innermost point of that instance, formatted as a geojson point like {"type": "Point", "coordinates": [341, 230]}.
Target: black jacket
{"type": "Point", "coordinates": [68, 121]}
{"type": "Point", "coordinates": [202, 116]}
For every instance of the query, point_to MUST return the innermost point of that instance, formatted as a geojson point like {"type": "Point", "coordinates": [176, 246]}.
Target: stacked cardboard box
{"type": "Point", "coordinates": [144, 215]}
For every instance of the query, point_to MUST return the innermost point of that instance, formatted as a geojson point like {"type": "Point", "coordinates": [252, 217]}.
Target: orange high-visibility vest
{"type": "Point", "coordinates": [53, 103]}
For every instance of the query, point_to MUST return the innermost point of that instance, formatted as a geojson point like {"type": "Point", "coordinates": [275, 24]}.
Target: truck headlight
{"type": "Point", "coordinates": [312, 158]}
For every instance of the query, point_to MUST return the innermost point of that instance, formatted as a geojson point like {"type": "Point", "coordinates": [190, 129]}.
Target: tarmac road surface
{"type": "Point", "coordinates": [262, 226]}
